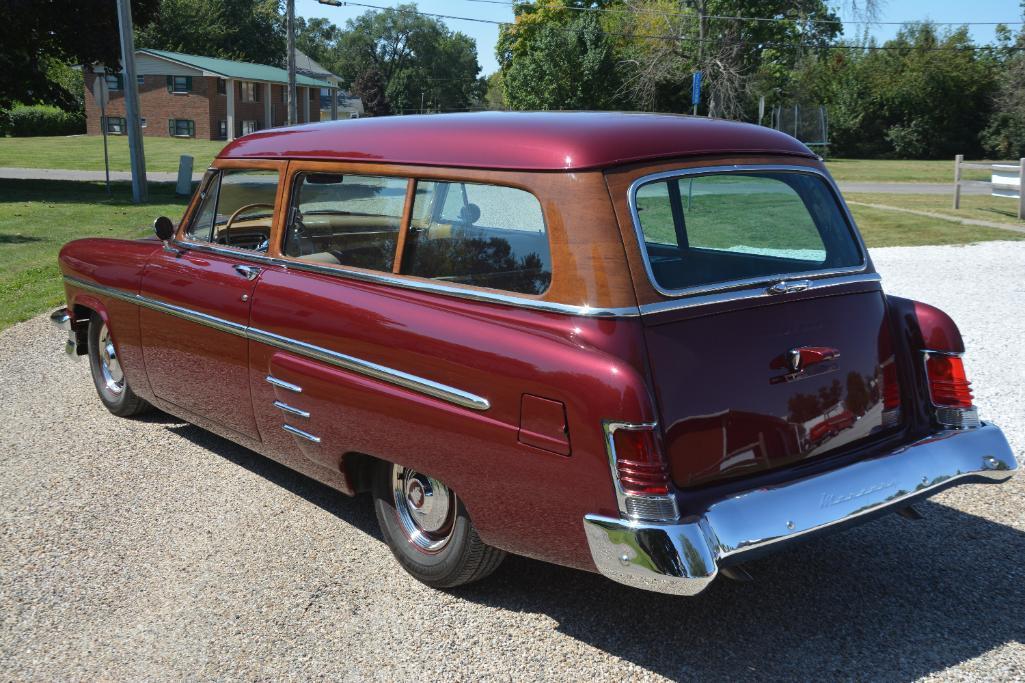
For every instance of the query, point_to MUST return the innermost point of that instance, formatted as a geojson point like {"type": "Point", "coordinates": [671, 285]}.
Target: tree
{"type": "Point", "coordinates": [1004, 137]}
{"type": "Point", "coordinates": [244, 30]}
{"type": "Point", "coordinates": [316, 37]}
{"type": "Point", "coordinates": [419, 59]}
{"type": "Point", "coordinates": [568, 66]}
{"type": "Point", "coordinates": [38, 36]}
{"type": "Point", "coordinates": [370, 87]}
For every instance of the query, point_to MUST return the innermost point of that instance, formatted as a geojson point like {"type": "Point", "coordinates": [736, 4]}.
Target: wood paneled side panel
{"type": "Point", "coordinates": [587, 251]}
{"type": "Point", "coordinates": [619, 181]}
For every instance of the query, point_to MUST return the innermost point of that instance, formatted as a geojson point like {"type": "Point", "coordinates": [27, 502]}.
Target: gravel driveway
{"type": "Point", "coordinates": [134, 549]}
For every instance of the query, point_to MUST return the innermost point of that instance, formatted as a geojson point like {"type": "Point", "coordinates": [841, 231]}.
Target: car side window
{"type": "Point", "coordinates": [477, 234]}
{"type": "Point", "coordinates": [236, 209]}
{"type": "Point", "coordinates": [348, 220]}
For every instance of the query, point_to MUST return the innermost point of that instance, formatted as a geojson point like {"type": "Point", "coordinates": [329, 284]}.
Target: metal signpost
{"type": "Point", "coordinates": [131, 90]}
{"type": "Point", "coordinates": [101, 96]}
{"type": "Point", "coordinates": [695, 91]}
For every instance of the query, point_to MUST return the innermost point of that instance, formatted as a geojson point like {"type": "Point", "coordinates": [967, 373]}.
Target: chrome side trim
{"type": "Point", "coordinates": [683, 558]}
{"type": "Point", "coordinates": [283, 384]}
{"type": "Point", "coordinates": [381, 372]}
{"type": "Point", "coordinates": [291, 410]}
{"type": "Point", "coordinates": [363, 367]}
{"type": "Point", "coordinates": [221, 324]}
{"type": "Point", "coordinates": [399, 281]}
{"type": "Point", "coordinates": [759, 292]}
{"type": "Point", "coordinates": [737, 284]}
{"type": "Point", "coordinates": [301, 434]}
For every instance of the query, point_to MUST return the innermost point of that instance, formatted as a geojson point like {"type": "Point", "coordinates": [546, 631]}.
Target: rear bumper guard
{"type": "Point", "coordinates": [62, 319]}
{"type": "Point", "coordinates": [682, 558]}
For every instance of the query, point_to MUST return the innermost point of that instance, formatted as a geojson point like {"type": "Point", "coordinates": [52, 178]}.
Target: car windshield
{"type": "Point", "coordinates": [709, 229]}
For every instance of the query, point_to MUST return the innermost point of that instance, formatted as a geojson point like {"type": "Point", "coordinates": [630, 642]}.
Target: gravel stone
{"type": "Point", "coordinates": [148, 549]}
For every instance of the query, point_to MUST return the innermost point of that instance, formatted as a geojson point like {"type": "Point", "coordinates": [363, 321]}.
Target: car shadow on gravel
{"type": "Point", "coordinates": [889, 600]}
{"type": "Point", "coordinates": [358, 511]}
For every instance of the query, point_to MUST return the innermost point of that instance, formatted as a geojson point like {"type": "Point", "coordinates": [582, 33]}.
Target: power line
{"type": "Point", "coordinates": [514, 3]}
{"type": "Point", "coordinates": [688, 39]}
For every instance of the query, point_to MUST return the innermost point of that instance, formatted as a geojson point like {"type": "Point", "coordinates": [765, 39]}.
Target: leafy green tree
{"type": "Point", "coordinates": [245, 30]}
{"type": "Point", "coordinates": [370, 87]}
{"type": "Point", "coordinates": [1004, 137]}
{"type": "Point", "coordinates": [569, 66]}
{"type": "Point", "coordinates": [419, 58]}
{"type": "Point", "coordinates": [36, 37]}
{"type": "Point", "coordinates": [316, 37]}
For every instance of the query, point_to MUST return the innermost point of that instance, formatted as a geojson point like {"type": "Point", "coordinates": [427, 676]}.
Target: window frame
{"type": "Point", "coordinates": [729, 285]}
{"type": "Point", "coordinates": [172, 85]}
{"type": "Point", "coordinates": [106, 125]}
{"type": "Point", "coordinates": [213, 174]}
{"type": "Point", "coordinates": [172, 128]}
{"type": "Point", "coordinates": [413, 175]}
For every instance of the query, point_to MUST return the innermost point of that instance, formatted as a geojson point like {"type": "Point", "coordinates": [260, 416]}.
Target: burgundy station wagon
{"type": "Point", "coordinates": [645, 345]}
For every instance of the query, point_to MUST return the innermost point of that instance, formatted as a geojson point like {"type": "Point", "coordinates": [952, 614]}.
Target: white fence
{"type": "Point", "coordinates": [1007, 179]}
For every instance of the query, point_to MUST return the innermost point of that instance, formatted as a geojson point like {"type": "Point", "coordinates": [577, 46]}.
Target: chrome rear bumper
{"type": "Point", "coordinates": [62, 319]}
{"type": "Point", "coordinates": [682, 558]}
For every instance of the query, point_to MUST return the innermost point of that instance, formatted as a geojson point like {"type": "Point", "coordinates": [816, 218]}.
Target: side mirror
{"type": "Point", "coordinates": [164, 228]}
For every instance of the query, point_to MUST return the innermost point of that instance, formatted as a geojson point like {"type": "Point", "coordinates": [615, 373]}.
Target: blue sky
{"type": "Point", "coordinates": [487, 34]}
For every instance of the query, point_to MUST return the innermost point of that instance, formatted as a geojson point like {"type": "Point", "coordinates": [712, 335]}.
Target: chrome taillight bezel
{"type": "Point", "coordinates": [637, 506]}
{"type": "Point", "coordinates": [948, 417]}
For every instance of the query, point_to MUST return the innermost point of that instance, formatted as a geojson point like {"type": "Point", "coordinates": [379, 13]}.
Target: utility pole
{"type": "Point", "coordinates": [136, 156]}
{"type": "Point", "coordinates": [290, 27]}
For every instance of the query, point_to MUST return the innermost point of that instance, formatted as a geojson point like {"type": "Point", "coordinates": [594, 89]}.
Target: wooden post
{"type": "Point", "coordinates": [1021, 189]}
{"type": "Point", "coordinates": [958, 160]}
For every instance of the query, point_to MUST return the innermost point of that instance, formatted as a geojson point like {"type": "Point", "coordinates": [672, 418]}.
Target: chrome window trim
{"type": "Point", "coordinates": [739, 284]}
{"type": "Point", "coordinates": [381, 372]}
{"type": "Point", "coordinates": [760, 292]}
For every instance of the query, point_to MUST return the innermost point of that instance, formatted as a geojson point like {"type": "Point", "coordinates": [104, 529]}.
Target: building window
{"type": "Point", "coordinates": [222, 130]}
{"type": "Point", "coordinates": [181, 128]}
{"type": "Point", "coordinates": [114, 82]}
{"type": "Point", "coordinates": [250, 91]}
{"type": "Point", "coordinates": [179, 84]}
{"type": "Point", "coordinates": [116, 125]}
{"type": "Point", "coordinates": [222, 86]}
{"type": "Point", "coordinates": [142, 122]}
{"type": "Point", "coordinates": [141, 80]}
{"type": "Point", "coordinates": [249, 127]}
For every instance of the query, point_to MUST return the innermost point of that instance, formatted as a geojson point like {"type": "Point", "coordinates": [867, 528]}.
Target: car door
{"type": "Point", "coordinates": [197, 298]}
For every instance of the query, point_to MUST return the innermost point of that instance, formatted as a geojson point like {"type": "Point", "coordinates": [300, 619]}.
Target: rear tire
{"type": "Point", "coordinates": [428, 529]}
{"type": "Point", "coordinates": [108, 377]}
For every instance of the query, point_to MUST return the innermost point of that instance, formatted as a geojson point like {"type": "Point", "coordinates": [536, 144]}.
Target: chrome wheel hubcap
{"type": "Point", "coordinates": [425, 508]}
{"type": "Point", "coordinates": [110, 367]}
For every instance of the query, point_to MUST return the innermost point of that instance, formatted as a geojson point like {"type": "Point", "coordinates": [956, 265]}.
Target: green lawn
{"type": "Point", "coordinates": [881, 228]}
{"type": "Point", "coordinates": [37, 219]}
{"type": "Point", "coordinates": [979, 207]}
{"type": "Point", "coordinates": [898, 171]}
{"type": "Point", "coordinates": [85, 152]}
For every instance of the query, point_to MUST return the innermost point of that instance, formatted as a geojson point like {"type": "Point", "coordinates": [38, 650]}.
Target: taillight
{"type": "Point", "coordinates": [643, 486]}
{"type": "Point", "coordinates": [950, 390]}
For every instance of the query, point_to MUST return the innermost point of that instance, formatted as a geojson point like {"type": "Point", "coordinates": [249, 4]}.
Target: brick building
{"type": "Point", "coordinates": [202, 97]}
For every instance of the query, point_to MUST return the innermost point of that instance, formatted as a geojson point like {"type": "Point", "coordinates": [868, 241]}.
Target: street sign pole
{"type": "Point", "coordinates": [100, 94]}
{"type": "Point", "coordinates": [695, 91]}
{"type": "Point", "coordinates": [131, 90]}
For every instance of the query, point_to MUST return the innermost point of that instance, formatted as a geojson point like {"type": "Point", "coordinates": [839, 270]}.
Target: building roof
{"type": "Point", "coordinates": [227, 68]}
{"type": "Point", "coordinates": [305, 64]}
{"type": "Point", "coordinates": [549, 141]}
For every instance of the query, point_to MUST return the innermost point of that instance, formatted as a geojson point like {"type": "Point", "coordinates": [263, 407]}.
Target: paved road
{"type": "Point", "coordinates": [7, 172]}
{"type": "Point", "coordinates": [150, 549]}
{"type": "Point", "coordinates": [57, 174]}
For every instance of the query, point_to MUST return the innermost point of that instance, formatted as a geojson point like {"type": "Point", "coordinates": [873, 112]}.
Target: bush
{"type": "Point", "coordinates": [1004, 138]}
{"type": "Point", "coordinates": [42, 119]}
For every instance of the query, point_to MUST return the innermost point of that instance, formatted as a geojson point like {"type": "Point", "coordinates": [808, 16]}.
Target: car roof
{"type": "Point", "coordinates": [541, 141]}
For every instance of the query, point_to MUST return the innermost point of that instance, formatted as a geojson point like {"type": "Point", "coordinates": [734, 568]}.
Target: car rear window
{"type": "Point", "coordinates": [477, 234]}
{"type": "Point", "coordinates": [716, 228]}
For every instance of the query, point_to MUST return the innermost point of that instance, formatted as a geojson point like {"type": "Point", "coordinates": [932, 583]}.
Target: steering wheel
{"type": "Point", "coordinates": [232, 217]}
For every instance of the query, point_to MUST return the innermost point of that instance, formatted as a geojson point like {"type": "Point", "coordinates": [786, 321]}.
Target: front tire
{"type": "Point", "coordinates": [428, 530]}
{"type": "Point", "coordinates": [108, 376]}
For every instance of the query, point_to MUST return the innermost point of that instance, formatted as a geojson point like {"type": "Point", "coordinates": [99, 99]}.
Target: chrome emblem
{"type": "Point", "coordinates": [794, 359]}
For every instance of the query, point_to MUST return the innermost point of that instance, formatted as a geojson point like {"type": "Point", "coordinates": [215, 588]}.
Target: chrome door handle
{"type": "Point", "coordinates": [249, 272]}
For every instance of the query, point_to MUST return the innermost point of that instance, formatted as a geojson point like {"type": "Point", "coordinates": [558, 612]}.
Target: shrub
{"type": "Point", "coordinates": [42, 119]}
